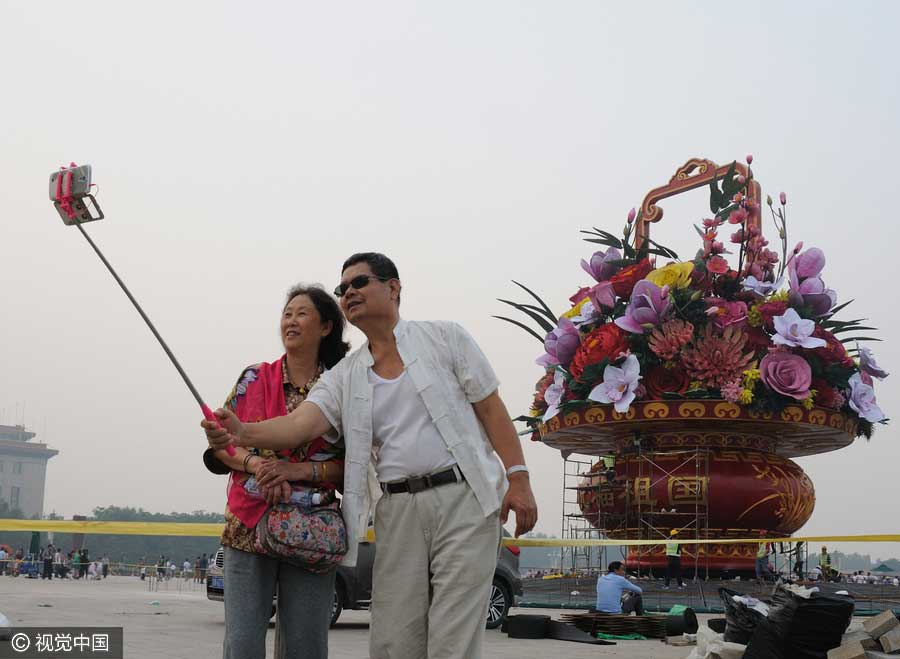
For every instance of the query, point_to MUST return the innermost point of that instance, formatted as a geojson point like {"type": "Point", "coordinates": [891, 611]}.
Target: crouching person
{"type": "Point", "coordinates": [616, 594]}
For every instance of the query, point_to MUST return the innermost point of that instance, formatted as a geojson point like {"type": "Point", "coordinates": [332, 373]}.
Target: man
{"type": "Point", "coordinates": [419, 403]}
{"type": "Point", "coordinates": [798, 561]}
{"type": "Point", "coordinates": [204, 564]}
{"type": "Point", "coordinates": [673, 560]}
{"type": "Point", "coordinates": [47, 558]}
{"type": "Point", "coordinates": [610, 588]}
{"type": "Point", "coordinates": [762, 558]}
{"type": "Point", "coordinates": [825, 565]}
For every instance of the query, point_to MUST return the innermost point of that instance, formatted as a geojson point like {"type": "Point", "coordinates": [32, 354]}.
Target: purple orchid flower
{"type": "Point", "coordinates": [553, 395]}
{"type": "Point", "coordinates": [868, 364]}
{"type": "Point", "coordinates": [618, 384]}
{"type": "Point", "coordinates": [862, 400]}
{"type": "Point", "coordinates": [760, 287]}
{"type": "Point", "coordinates": [648, 308]}
{"type": "Point", "coordinates": [601, 266]}
{"type": "Point", "coordinates": [806, 286]}
{"type": "Point", "coordinates": [792, 330]}
{"type": "Point", "coordinates": [560, 344]}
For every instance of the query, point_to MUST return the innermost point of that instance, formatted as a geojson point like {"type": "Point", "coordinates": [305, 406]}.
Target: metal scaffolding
{"type": "Point", "coordinates": [688, 502]}
{"type": "Point", "coordinates": [640, 517]}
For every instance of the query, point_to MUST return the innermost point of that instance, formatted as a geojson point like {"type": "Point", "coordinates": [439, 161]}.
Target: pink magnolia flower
{"type": "Point", "coordinates": [560, 344]}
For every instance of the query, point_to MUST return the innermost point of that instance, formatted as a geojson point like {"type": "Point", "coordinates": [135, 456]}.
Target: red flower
{"type": "Point", "coordinates": [717, 265]}
{"type": "Point", "coordinates": [624, 280]}
{"type": "Point", "coordinates": [826, 395]}
{"type": "Point", "coordinates": [834, 351]}
{"type": "Point", "coordinates": [605, 342]}
{"type": "Point", "coordinates": [769, 310]}
{"type": "Point", "coordinates": [758, 340]}
{"type": "Point", "coordinates": [662, 380]}
{"type": "Point", "coordinates": [541, 388]}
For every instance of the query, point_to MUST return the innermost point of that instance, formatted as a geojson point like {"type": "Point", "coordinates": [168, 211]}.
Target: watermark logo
{"type": "Point", "coordinates": [81, 642]}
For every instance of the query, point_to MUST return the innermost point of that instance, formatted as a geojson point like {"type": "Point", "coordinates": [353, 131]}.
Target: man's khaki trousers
{"type": "Point", "coordinates": [434, 564]}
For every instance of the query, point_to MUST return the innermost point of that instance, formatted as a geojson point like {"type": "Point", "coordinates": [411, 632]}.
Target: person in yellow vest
{"type": "Point", "coordinates": [762, 557]}
{"type": "Point", "coordinates": [825, 564]}
{"type": "Point", "coordinates": [673, 560]}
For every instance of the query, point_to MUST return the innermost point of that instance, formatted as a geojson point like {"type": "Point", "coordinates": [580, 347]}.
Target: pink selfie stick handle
{"type": "Point", "coordinates": [212, 417]}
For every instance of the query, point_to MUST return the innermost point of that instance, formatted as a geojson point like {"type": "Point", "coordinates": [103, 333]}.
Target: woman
{"type": "Point", "coordinates": [312, 330]}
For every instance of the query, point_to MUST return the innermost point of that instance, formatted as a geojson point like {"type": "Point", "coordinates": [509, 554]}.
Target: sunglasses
{"type": "Point", "coordinates": [359, 281]}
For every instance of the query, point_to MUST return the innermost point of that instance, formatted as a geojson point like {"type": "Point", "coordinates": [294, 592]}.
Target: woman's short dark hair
{"type": "Point", "coordinates": [614, 566]}
{"type": "Point", "coordinates": [333, 347]}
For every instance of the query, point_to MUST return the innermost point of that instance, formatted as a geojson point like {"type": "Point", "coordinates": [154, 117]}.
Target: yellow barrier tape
{"type": "Point", "coordinates": [113, 528]}
{"type": "Point", "coordinates": [214, 530]}
{"type": "Point", "coordinates": [562, 542]}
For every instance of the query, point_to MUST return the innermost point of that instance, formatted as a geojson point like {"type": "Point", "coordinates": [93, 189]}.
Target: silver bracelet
{"type": "Point", "coordinates": [516, 469]}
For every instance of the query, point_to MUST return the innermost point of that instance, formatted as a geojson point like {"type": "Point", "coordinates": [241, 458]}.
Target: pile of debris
{"type": "Point", "coordinates": [796, 623]}
{"type": "Point", "coordinates": [876, 637]}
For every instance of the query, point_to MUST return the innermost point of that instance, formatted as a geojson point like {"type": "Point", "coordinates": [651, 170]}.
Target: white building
{"type": "Point", "coordinates": [23, 470]}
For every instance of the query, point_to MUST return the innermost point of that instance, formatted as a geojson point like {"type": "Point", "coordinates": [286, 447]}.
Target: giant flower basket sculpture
{"type": "Point", "coordinates": [738, 351]}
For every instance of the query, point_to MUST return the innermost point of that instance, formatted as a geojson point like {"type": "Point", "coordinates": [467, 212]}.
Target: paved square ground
{"type": "Point", "coordinates": [177, 621]}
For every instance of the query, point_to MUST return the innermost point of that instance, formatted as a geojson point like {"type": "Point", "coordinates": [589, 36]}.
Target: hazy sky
{"type": "Point", "coordinates": [240, 149]}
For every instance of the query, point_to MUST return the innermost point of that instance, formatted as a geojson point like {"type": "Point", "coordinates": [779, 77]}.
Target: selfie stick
{"type": "Point", "coordinates": [68, 199]}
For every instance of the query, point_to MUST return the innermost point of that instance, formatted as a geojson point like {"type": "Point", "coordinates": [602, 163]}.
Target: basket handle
{"type": "Point", "coordinates": [695, 173]}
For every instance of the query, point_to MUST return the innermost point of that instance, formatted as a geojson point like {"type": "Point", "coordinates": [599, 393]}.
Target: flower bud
{"type": "Point", "coordinates": [782, 198]}
{"type": "Point", "coordinates": [631, 215]}
{"type": "Point", "coordinates": [798, 247]}
{"type": "Point", "coordinates": [741, 179]}
{"type": "Point", "coordinates": [769, 199]}
{"type": "Point", "coordinates": [696, 296]}
{"type": "Point", "coordinates": [749, 158]}
{"type": "Point", "coordinates": [738, 198]}
{"type": "Point", "coordinates": [781, 234]}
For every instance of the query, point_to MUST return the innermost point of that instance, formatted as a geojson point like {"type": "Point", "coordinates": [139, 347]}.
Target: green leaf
{"type": "Point", "coordinates": [838, 308]}
{"type": "Point", "coordinates": [715, 197]}
{"type": "Point", "coordinates": [543, 304]}
{"type": "Point", "coordinates": [664, 250]}
{"type": "Point", "coordinates": [523, 326]}
{"type": "Point", "coordinates": [851, 328]}
{"type": "Point", "coordinates": [859, 338]}
{"type": "Point", "coordinates": [535, 316]}
{"type": "Point", "coordinates": [603, 241]}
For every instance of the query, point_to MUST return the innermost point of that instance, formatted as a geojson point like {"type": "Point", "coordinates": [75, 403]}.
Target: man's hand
{"type": "Point", "coordinates": [520, 500]}
{"type": "Point", "coordinates": [228, 431]}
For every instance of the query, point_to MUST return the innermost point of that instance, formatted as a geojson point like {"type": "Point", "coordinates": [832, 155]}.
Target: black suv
{"type": "Point", "coordinates": [353, 585]}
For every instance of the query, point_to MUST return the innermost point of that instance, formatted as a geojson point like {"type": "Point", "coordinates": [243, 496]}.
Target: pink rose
{"type": "Point", "coordinates": [786, 373]}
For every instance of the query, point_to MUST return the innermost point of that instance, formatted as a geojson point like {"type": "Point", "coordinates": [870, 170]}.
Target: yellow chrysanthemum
{"type": "Point", "coordinates": [809, 401]}
{"type": "Point", "coordinates": [751, 376]}
{"type": "Point", "coordinates": [576, 310]}
{"type": "Point", "coordinates": [754, 317]}
{"type": "Point", "coordinates": [674, 275]}
{"type": "Point", "coordinates": [746, 396]}
{"type": "Point", "coordinates": [781, 296]}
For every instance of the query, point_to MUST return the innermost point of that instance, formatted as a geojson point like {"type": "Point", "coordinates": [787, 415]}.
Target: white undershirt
{"type": "Point", "coordinates": [407, 443]}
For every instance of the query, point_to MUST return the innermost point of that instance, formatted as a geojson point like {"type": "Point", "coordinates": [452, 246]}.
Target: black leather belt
{"type": "Point", "coordinates": [413, 485]}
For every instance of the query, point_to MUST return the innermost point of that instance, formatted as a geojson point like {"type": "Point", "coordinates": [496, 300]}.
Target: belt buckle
{"type": "Point", "coordinates": [418, 484]}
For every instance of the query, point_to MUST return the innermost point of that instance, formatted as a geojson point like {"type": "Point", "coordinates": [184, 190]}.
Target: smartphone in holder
{"type": "Point", "coordinates": [70, 188]}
